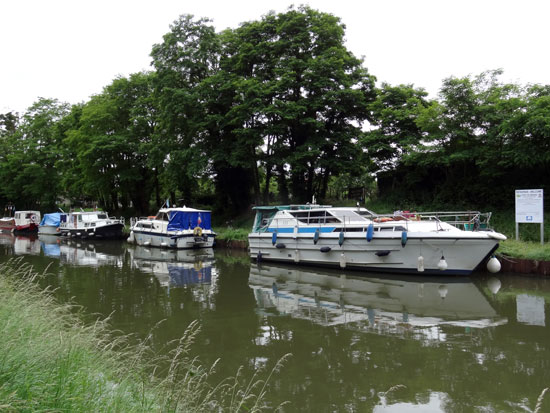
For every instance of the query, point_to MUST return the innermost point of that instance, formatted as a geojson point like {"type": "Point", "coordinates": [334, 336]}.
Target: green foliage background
{"type": "Point", "coordinates": [275, 111]}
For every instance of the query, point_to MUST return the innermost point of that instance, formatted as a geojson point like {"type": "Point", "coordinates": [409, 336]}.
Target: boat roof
{"type": "Point", "coordinates": [86, 212]}
{"type": "Point", "coordinates": [290, 207]}
{"type": "Point", "coordinates": [182, 209]}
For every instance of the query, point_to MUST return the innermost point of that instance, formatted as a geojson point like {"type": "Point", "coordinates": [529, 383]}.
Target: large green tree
{"type": "Point", "coordinates": [112, 143]}
{"type": "Point", "coordinates": [187, 56]}
{"type": "Point", "coordinates": [27, 166]}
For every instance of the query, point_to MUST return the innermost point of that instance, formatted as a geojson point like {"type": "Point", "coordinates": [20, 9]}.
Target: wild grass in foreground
{"type": "Point", "coordinates": [51, 361]}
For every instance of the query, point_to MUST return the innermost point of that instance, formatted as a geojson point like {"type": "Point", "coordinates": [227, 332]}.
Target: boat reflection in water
{"type": "Point", "coordinates": [411, 307]}
{"type": "Point", "coordinates": [21, 244]}
{"type": "Point", "coordinates": [50, 245]}
{"type": "Point", "coordinates": [80, 252]}
{"type": "Point", "coordinates": [175, 268]}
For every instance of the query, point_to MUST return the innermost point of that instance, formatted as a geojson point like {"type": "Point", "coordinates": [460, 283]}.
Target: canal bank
{"type": "Point", "coordinates": [524, 266]}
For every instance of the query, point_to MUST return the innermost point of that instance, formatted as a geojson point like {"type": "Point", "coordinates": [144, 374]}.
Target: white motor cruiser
{"type": "Point", "coordinates": [174, 228]}
{"type": "Point", "coordinates": [356, 238]}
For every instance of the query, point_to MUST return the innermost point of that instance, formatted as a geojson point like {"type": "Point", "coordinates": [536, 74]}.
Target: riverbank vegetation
{"type": "Point", "coordinates": [51, 361]}
{"type": "Point", "coordinates": [275, 110]}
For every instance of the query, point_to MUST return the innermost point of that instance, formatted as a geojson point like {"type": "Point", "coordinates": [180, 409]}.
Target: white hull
{"type": "Point", "coordinates": [462, 252]}
{"type": "Point", "coordinates": [48, 230]}
{"type": "Point", "coordinates": [171, 240]}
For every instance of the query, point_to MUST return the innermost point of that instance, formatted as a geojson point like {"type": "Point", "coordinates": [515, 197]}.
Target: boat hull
{"type": "Point", "coordinates": [30, 228]}
{"type": "Point", "coordinates": [48, 230]}
{"type": "Point", "coordinates": [109, 231]}
{"type": "Point", "coordinates": [7, 224]}
{"type": "Point", "coordinates": [462, 254]}
{"type": "Point", "coordinates": [177, 241]}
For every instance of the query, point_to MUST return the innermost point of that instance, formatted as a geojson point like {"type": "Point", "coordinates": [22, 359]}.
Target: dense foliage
{"type": "Point", "coordinates": [275, 110]}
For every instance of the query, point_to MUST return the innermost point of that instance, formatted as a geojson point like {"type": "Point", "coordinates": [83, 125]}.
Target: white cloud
{"type": "Point", "coordinates": [69, 50]}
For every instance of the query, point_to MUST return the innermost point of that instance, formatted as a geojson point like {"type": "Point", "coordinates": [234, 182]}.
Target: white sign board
{"type": "Point", "coordinates": [529, 206]}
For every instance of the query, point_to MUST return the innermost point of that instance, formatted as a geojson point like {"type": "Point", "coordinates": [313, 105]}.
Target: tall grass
{"type": "Point", "coordinates": [51, 361]}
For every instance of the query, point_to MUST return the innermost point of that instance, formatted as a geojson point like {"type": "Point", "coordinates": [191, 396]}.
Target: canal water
{"type": "Point", "coordinates": [358, 342]}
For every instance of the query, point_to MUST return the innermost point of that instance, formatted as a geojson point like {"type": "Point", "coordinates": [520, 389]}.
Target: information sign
{"type": "Point", "coordinates": [530, 209]}
{"type": "Point", "coordinates": [529, 206]}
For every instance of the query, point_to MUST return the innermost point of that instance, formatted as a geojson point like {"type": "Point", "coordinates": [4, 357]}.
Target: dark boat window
{"type": "Point", "coordinates": [314, 217]}
{"type": "Point", "coordinates": [102, 216]}
{"type": "Point", "coordinates": [360, 229]}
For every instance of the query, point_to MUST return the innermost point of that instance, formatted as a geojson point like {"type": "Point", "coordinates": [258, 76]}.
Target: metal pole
{"type": "Point", "coordinates": [517, 231]}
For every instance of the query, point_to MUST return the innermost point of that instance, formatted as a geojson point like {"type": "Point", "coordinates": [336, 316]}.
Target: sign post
{"type": "Point", "coordinates": [530, 209]}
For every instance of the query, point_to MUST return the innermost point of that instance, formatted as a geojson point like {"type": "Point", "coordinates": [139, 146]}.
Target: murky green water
{"type": "Point", "coordinates": [448, 344]}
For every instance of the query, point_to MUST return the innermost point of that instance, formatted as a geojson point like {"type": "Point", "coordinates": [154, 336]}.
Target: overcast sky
{"type": "Point", "coordinates": [71, 49]}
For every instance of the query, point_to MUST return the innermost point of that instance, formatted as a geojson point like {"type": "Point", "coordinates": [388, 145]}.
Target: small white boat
{"type": "Point", "coordinates": [50, 224]}
{"type": "Point", "coordinates": [178, 228]}
{"type": "Point", "coordinates": [93, 224]}
{"type": "Point", "coordinates": [356, 238]}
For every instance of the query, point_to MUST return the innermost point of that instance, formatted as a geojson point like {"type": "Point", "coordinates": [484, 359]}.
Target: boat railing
{"type": "Point", "coordinates": [464, 220]}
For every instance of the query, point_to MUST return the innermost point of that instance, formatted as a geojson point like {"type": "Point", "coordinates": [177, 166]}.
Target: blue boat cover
{"type": "Point", "coordinates": [180, 220]}
{"type": "Point", "coordinates": [51, 250]}
{"type": "Point", "coordinates": [52, 219]}
{"type": "Point", "coordinates": [185, 276]}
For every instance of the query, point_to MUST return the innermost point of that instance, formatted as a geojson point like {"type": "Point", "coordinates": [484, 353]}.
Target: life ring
{"type": "Point", "coordinates": [33, 218]}
{"type": "Point", "coordinates": [197, 231]}
{"type": "Point", "coordinates": [383, 219]}
{"type": "Point", "coordinates": [58, 229]}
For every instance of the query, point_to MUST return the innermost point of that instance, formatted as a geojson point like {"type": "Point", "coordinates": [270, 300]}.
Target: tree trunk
{"type": "Point", "coordinates": [268, 172]}
{"type": "Point", "coordinates": [281, 183]}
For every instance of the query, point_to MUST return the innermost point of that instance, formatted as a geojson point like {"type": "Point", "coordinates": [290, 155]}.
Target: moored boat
{"type": "Point", "coordinates": [91, 224]}
{"type": "Point", "coordinates": [50, 223]}
{"type": "Point", "coordinates": [178, 228]}
{"type": "Point", "coordinates": [26, 222]}
{"type": "Point", "coordinates": [7, 224]}
{"type": "Point", "coordinates": [359, 239]}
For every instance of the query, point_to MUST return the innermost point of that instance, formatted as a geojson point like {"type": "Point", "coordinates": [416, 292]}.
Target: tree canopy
{"type": "Point", "coordinates": [275, 110]}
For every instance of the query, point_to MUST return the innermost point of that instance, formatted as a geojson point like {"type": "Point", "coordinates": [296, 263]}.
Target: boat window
{"type": "Point", "coordinates": [144, 225]}
{"type": "Point", "coordinates": [360, 229]}
{"type": "Point", "coordinates": [348, 215]}
{"type": "Point", "coordinates": [393, 228]}
{"type": "Point", "coordinates": [102, 216]}
{"type": "Point", "coordinates": [314, 217]}
{"type": "Point", "coordinates": [162, 216]}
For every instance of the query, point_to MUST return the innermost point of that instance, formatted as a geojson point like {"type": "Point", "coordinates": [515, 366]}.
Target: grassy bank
{"type": "Point", "coordinates": [51, 361]}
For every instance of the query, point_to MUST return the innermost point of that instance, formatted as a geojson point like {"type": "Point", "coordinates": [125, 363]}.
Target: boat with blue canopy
{"type": "Point", "coordinates": [178, 228]}
{"type": "Point", "coordinates": [50, 223]}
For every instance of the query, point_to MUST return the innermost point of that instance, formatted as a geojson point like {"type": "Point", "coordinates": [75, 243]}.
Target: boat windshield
{"type": "Point", "coordinates": [347, 215]}
{"type": "Point", "coordinates": [162, 216]}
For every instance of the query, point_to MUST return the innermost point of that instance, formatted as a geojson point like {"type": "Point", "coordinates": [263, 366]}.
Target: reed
{"type": "Point", "coordinates": [51, 361]}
